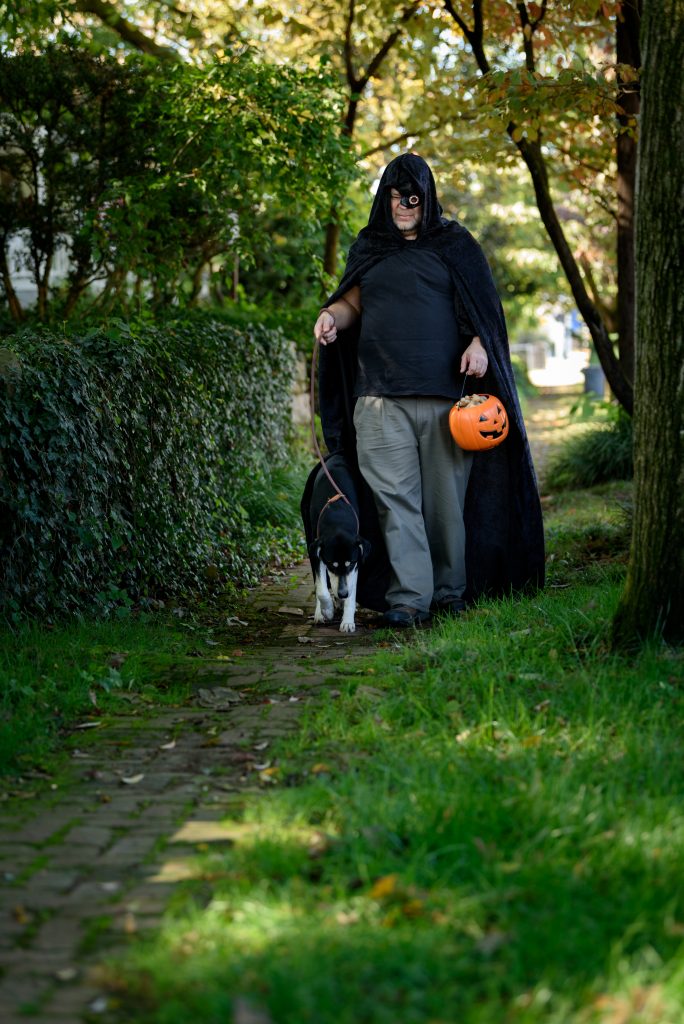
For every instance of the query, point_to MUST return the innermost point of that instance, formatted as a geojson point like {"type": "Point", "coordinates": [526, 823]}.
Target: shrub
{"type": "Point", "coordinates": [123, 453]}
{"type": "Point", "coordinates": [596, 455]}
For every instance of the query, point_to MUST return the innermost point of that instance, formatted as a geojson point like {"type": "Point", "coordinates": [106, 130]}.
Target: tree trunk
{"type": "Point", "coordinates": [628, 53]}
{"type": "Point", "coordinates": [332, 230]}
{"type": "Point", "coordinates": [653, 600]}
{"type": "Point", "coordinates": [532, 155]}
{"type": "Point", "coordinates": [16, 311]}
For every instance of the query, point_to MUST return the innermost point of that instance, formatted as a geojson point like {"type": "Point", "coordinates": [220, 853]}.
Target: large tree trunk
{"type": "Point", "coordinates": [653, 600]}
{"type": "Point", "coordinates": [627, 53]}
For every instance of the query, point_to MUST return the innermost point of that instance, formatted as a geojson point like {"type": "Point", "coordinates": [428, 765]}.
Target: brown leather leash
{"type": "Point", "coordinates": [339, 494]}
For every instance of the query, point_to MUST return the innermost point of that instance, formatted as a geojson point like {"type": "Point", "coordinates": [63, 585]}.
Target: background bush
{"type": "Point", "coordinates": [126, 454]}
{"type": "Point", "coordinates": [596, 455]}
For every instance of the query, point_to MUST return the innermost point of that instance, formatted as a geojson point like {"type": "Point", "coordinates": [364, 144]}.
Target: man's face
{"type": "Point", "coordinates": [407, 219]}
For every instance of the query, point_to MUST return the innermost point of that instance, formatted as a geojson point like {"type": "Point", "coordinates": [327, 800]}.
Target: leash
{"type": "Point", "coordinates": [339, 494]}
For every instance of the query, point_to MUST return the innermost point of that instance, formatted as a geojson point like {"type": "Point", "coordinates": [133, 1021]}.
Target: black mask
{"type": "Point", "coordinates": [410, 200]}
{"type": "Point", "coordinates": [410, 194]}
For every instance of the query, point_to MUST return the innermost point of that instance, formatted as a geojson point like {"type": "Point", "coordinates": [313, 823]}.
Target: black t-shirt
{"type": "Point", "coordinates": [412, 331]}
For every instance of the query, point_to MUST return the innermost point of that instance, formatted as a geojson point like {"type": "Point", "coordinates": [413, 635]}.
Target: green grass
{"type": "Point", "coordinates": [51, 676]}
{"type": "Point", "coordinates": [486, 826]}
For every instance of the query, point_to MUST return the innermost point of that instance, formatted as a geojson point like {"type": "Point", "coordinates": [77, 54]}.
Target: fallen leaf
{"type": "Point", "coordinates": [117, 660]}
{"type": "Point", "coordinates": [306, 640]}
{"type": "Point", "coordinates": [233, 620]}
{"type": "Point", "coordinates": [21, 915]}
{"type": "Point", "coordinates": [67, 974]}
{"type": "Point", "coordinates": [345, 917]}
{"type": "Point", "coordinates": [384, 887]}
{"type": "Point", "coordinates": [262, 745]}
{"type": "Point", "coordinates": [98, 1005]}
{"type": "Point", "coordinates": [531, 741]}
{"type": "Point", "coordinates": [88, 725]}
{"type": "Point", "coordinates": [132, 780]}
{"type": "Point", "coordinates": [319, 769]}
{"type": "Point", "coordinates": [240, 757]}
{"type": "Point", "coordinates": [287, 610]}
{"type": "Point", "coordinates": [168, 746]}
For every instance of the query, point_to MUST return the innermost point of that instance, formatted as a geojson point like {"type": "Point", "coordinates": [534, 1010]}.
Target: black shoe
{"type": "Point", "coordinates": [403, 616]}
{"type": "Point", "coordinates": [453, 607]}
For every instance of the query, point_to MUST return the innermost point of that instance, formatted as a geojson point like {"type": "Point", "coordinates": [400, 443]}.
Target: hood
{"type": "Point", "coordinates": [405, 169]}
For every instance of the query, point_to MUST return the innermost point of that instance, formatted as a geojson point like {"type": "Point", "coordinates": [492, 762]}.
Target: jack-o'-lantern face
{"type": "Point", "coordinates": [478, 422]}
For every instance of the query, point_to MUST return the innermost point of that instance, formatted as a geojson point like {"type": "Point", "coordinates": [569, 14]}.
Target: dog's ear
{"type": "Point", "coordinates": [364, 549]}
{"type": "Point", "coordinates": [315, 550]}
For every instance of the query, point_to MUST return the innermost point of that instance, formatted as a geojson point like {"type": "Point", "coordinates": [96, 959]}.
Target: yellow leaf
{"type": "Point", "coordinates": [517, 134]}
{"type": "Point", "coordinates": [384, 887]}
{"type": "Point", "coordinates": [318, 769]}
{"type": "Point", "coordinates": [531, 741]}
{"type": "Point", "coordinates": [527, 31]}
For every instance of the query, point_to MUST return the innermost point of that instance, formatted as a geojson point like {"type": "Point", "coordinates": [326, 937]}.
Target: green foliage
{"type": "Point", "coordinates": [593, 455]}
{"type": "Point", "coordinates": [124, 455]}
{"type": "Point", "coordinates": [154, 171]}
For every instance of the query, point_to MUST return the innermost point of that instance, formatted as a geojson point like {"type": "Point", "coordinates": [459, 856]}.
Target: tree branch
{"type": "Point", "coordinates": [527, 32]}
{"type": "Point", "coordinates": [394, 142]}
{"type": "Point", "coordinates": [109, 15]}
{"type": "Point", "coordinates": [352, 80]}
{"type": "Point", "coordinates": [475, 35]}
{"type": "Point", "coordinates": [449, 7]}
{"type": "Point", "coordinates": [377, 60]}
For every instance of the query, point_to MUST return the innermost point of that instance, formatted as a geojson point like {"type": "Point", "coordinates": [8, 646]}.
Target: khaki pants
{"type": "Point", "coordinates": [418, 476]}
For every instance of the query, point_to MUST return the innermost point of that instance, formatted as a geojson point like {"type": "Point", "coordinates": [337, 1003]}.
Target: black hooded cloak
{"type": "Point", "coordinates": [503, 520]}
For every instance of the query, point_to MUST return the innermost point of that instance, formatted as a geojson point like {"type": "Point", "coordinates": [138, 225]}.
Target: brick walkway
{"type": "Point", "coordinates": [97, 860]}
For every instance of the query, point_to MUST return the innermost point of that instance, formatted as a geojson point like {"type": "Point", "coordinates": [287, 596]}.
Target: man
{"type": "Point", "coordinates": [415, 309]}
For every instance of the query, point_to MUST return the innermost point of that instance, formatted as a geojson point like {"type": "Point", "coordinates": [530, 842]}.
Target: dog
{"type": "Point", "coordinates": [337, 550]}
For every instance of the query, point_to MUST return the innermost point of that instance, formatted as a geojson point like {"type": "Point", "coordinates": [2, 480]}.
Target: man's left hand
{"type": "Point", "coordinates": [474, 360]}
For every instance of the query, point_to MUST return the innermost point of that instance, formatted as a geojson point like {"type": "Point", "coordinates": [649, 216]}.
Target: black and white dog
{"type": "Point", "coordinates": [337, 550]}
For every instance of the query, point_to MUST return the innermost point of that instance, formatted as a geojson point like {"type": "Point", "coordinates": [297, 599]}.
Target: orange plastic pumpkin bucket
{"type": "Point", "coordinates": [478, 422]}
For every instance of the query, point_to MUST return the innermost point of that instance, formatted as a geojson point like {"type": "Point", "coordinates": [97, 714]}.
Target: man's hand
{"type": "Point", "coordinates": [474, 360]}
{"type": "Point", "coordinates": [338, 316]}
{"type": "Point", "coordinates": [325, 328]}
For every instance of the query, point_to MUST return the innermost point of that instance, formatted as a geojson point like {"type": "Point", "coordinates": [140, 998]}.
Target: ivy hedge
{"type": "Point", "coordinates": [124, 454]}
